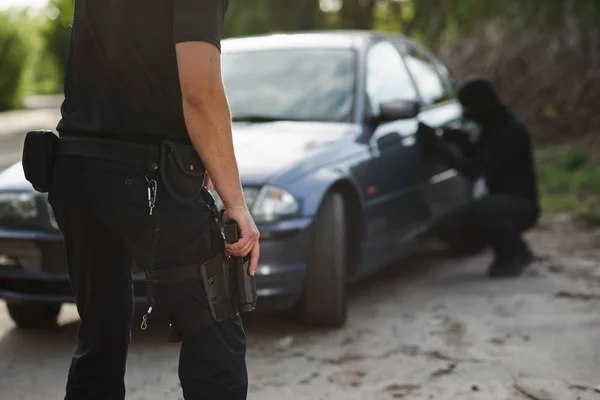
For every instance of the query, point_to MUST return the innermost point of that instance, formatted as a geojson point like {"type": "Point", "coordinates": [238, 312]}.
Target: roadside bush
{"type": "Point", "coordinates": [569, 180]}
{"type": "Point", "coordinates": [14, 54]}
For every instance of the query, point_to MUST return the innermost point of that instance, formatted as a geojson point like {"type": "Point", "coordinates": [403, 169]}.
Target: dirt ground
{"type": "Point", "coordinates": [428, 328]}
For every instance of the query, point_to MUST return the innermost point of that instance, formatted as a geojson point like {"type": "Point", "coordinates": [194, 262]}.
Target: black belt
{"type": "Point", "coordinates": [174, 274]}
{"type": "Point", "coordinates": [143, 155]}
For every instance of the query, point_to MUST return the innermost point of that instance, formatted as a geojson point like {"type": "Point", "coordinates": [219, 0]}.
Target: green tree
{"type": "Point", "coordinates": [357, 14]}
{"type": "Point", "coordinates": [57, 33]}
{"type": "Point", "coordinates": [251, 17]}
{"type": "Point", "coordinates": [14, 55]}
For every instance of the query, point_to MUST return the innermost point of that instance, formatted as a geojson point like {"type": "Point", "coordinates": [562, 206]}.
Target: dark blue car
{"type": "Point", "coordinates": [324, 131]}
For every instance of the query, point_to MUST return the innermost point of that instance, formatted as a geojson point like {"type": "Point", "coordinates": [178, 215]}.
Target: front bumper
{"type": "Point", "coordinates": [33, 266]}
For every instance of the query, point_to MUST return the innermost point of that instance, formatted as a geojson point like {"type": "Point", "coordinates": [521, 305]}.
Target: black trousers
{"type": "Point", "coordinates": [496, 221]}
{"type": "Point", "coordinates": [102, 210]}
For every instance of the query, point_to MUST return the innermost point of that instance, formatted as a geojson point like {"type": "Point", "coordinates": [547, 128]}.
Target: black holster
{"type": "Point", "coordinates": [39, 154]}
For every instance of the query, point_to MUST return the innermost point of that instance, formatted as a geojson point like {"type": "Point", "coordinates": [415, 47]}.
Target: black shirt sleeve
{"type": "Point", "coordinates": [460, 139]}
{"type": "Point", "coordinates": [199, 20]}
{"type": "Point", "coordinates": [503, 146]}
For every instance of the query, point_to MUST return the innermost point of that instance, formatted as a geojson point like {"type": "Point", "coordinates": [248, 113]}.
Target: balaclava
{"type": "Point", "coordinates": [480, 102]}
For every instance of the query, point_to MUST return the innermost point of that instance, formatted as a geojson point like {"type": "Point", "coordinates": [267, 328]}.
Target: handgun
{"type": "Point", "coordinates": [243, 282]}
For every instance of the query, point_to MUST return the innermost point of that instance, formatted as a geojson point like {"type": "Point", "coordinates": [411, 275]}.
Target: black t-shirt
{"type": "Point", "coordinates": [121, 76]}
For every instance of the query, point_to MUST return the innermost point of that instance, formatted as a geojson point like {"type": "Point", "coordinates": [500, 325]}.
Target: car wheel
{"type": "Point", "coordinates": [31, 315]}
{"type": "Point", "coordinates": [324, 302]}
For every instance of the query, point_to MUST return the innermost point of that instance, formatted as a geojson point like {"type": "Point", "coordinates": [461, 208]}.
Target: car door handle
{"type": "Point", "coordinates": [389, 140]}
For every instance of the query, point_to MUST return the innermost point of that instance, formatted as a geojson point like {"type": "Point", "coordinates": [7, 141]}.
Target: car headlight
{"type": "Point", "coordinates": [273, 203]}
{"type": "Point", "coordinates": [249, 194]}
{"type": "Point", "coordinates": [15, 205]}
{"type": "Point", "coordinates": [267, 204]}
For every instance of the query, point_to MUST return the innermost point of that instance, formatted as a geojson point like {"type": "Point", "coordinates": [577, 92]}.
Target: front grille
{"type": "Point", "coordinates": [54, 260]}
{"type": "Point", "coordinates": [47, 256]}
{"type": "Point", "coordinates": [36, 287]}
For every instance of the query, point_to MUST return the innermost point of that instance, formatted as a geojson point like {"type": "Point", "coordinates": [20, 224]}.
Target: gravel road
{"type": "Point", "coordinates": [428, 328]}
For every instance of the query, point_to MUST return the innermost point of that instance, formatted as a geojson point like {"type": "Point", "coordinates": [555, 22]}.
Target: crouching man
{"type": "Point", "coordinates": [502, 156]}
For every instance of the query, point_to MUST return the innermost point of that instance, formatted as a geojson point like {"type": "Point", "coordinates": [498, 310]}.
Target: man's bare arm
{"type": "Point", "coordinates": [208, 121]}
{"type": "Point", "coordinates": [208, 118]}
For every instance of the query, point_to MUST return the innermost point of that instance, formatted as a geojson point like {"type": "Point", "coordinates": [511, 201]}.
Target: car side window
{"type": "Point", "coordinates": [426, 72]}
{"type": "Point", "coordinates": [387, 78]}
{"type": "Point", "coordinates": [449, 81]}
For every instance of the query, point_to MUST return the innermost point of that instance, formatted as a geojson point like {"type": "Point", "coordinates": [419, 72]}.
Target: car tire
{"type": "Point", "coordinates": [324, 302]}
{"type": "Point", "coordinates": [32, 315]}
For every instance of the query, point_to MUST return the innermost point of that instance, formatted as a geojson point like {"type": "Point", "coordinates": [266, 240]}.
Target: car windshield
{"type": "Point", "coordinates": [290, 84]}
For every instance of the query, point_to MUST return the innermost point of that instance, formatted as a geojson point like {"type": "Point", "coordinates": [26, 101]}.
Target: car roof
{"type": "Point", "coordinates": [341, 39]}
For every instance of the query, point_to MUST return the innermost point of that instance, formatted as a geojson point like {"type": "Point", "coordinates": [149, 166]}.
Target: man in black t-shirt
{"type": "Point", "coordinates": [142, 88]}
{"type": "Point", "coordinates": [503, 158]}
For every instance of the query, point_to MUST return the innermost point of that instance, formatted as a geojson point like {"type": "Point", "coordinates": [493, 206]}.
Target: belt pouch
{"type": "Point", "coordinates": [39, 153]}
{"type": "Point", "coordinates": [182, 171]}
{"type": "Point", "coordinates": [217, 285]}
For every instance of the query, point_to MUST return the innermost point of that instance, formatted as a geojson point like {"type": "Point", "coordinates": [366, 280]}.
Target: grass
{"type": "Point", "coordinates": [569, 181]}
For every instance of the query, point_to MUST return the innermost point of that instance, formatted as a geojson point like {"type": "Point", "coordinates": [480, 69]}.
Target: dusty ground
{"type": "Point", "coordinates": [429, 328]}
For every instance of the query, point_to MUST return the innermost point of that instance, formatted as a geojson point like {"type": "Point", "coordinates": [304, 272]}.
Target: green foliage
{"type": "Point", "coordinates": [433, 22]}
{"type": "Point", "coordinates": [570, 181]}
{"type": "Point", "coordinates": [250, 17]}
{"type": "Point", "coordinates": [14, 56]}
{"type": "Point", "coordinates": [41, 75]}
{"type": "Point", "coordinates": [56, 33]}
{"type": "Point", "coordinates": [573, 159]}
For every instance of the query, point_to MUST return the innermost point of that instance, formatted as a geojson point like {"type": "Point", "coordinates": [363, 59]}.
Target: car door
{"type": "Point", "coordinates": [445, 188]}
{"type": "Point", "coordinates": [395, 205]}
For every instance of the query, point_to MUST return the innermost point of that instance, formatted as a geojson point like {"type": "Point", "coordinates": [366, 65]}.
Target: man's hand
{"type": "Point", "coordinates": [453, 135]}
{"type": "Point", "coordinates": [249, 235]}
{"type": "Point", "coordinates": [427, 135]}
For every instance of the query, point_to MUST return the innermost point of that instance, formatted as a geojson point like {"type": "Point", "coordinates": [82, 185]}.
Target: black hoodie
{"type": "Point", "coordinates": [503, 154]}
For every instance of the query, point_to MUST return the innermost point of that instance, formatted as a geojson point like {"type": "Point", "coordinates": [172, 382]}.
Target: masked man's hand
{"type": "Point", "coordinates": [453, 135]}
{"type": "Point", "coordinates": [427, 135]}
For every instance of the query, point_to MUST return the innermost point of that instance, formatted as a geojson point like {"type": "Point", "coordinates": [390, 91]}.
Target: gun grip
{"type": "Point", "coordinates": [231, 231]}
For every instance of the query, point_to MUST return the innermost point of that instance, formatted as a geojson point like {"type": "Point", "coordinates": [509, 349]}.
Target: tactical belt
{"type": "Point", "coordinates": [143, 155]}
{"type": "Point", "coordinates": [174, 274]}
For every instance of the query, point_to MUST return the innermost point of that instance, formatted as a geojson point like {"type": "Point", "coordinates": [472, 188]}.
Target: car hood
{"type": "Point", "coordinates": [266, 149]}
{"type": "Point", "coordinates": [13, 178]}
{"type": "Point", "coordinates": [262, 149]}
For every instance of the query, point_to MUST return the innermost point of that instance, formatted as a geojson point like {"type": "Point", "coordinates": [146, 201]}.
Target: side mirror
{"type": "Point", "coordinates": [398, 109]}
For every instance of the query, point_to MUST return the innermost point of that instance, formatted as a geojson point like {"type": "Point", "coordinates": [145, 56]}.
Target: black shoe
{"type": "Point", "coordinates": [510, 268]}
{"type": "Point", "coordinates": [525, 256]}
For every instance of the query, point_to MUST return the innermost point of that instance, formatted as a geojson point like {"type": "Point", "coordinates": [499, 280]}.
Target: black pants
{"type": "Point", "coordinates": [496, 221]}
{"type": "Point", "coordinates": [102, 210]}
